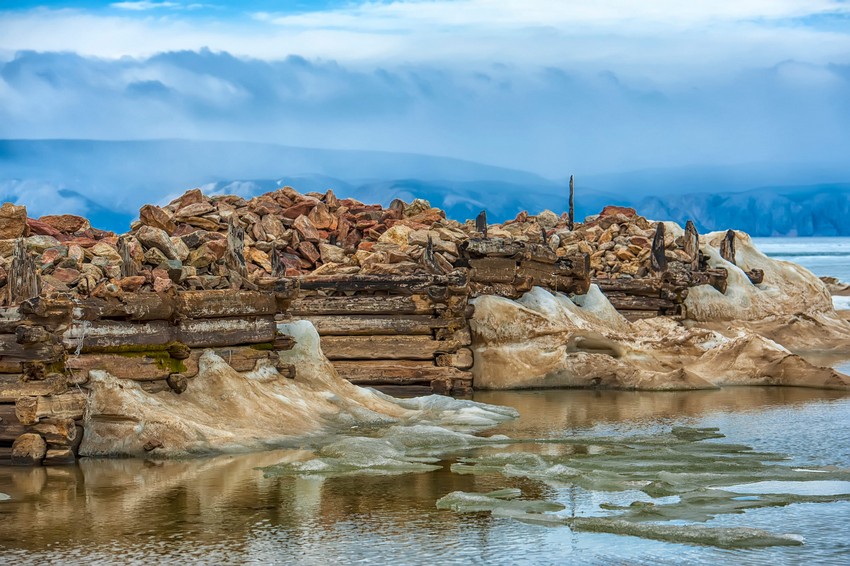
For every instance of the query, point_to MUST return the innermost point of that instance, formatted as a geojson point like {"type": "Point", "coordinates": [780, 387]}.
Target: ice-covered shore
{"type": "Point", "coordinates": [749, 335]}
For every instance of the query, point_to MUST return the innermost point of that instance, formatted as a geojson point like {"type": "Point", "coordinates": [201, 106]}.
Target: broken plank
{"type": "Point", "coordinates": [400, 284]}
{"type": "Point", "coordinates": [134, 366]}
{"type": "Point", "coordinates": [226, 303]}
{"type": "Point", "coordinates": [493, 269]}
{"type": "Point", "coordinates": [216, 332]}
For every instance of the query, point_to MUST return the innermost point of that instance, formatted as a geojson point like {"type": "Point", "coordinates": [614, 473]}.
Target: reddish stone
{"type": "Point", "coordinates": [366, 224]}
{"type": "Point", "coordinates": [298, 209]}
{"type": "Point", "coordinates": [193, 196]}
{"type": "Point", "coordinates": [66, 223]}
{"type": "Point", "coordinates": [521, 217]}
{"type": "Point", "coordinates": [154, 216]}
{"type": "Point", "coordinates": [366, 246]}
{"type": "Point", "coordinates": [218, 247]}
{"type": "Point", "coordinates": [52, 256]}
{"type": "Point", "coordinates": [304, 227]}
{"type": "Point", "coordinates": [80, 241]}
{"type": "Point", "coordinates": [431, 216]}
{"type": "Point", "coordinates": [309, 252]}
{"type": "Point", "coordinates": [162, 284]}
{"type": "Point", "coordinates": [131, 284]}
{"type": "Point", "coordinates": [351, 240]}
{"type": "Point", "coordinates": [330, 199]}
{"type": "Point", "coordinates": [392, 214]}
{"type": "Point", "coordinates": [375, 232]}
{"type": "Point", "coordinates": [351, 203]}
{"type": "Point", "coordinates": [611, 210]}
{"type": "Point", "coordinates": [40, 228]}
{"type": "Point", "coordinates": [292, 272]}
{"type": "Point", "coordinates": [13, 221]}
{"type": "Point", "coordinates": [342, 229]}
{"type": "Point", "coordinates": [66, 275]}
{"type": "Point", "coordinates": [265, 205]}
{"type": "Point", "coordinates": [321, 216]}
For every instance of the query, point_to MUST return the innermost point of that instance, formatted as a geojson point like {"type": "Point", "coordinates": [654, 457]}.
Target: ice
{"type": "Point", "coordinates": [504, 500]}
{"type": "Point", "coordinates": [814, 487]}
{"type": "Point", "coordinates": [841, 303]}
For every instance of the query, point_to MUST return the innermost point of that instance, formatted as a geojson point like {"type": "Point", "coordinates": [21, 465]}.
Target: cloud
{"type": "Point", "coordinates": [549, 120]}
{"type": "Point", "coordinates": [144, 5]}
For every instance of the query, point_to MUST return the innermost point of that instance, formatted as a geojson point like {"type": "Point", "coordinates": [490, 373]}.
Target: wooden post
{"type": "Point", "coordinates": [481, 223]}
{"type": "Point", "coordinates": [23, 280]}
{"type": "Point", "coordinates": [128, 264]}
{"type": "Point", "coordinates": [658, 260]}
{"type": "Point", "coordinates": [692, 245]}
{"type": "Point", "coordinates": [572, 213]}
{"type": "Point", "coordinates": [278, 265]}
{"type": "Point", "coordinates": [727, 247]}
{"type": "Point", "coordinates": [235, 254]}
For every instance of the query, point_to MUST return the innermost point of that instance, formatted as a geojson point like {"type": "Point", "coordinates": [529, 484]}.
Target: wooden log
{"type": "Point", "coordinates": [69, 405]}
{"type": "Point", "coordinates": [12, 353]}
{"type": "Point", "coordinates": [141, 306]}
{"type": "Point", "coordinates": [382, 347]}
{"type": "Point", "coordinates": [546, 275]}
{"type": "Point", "coordinates": [31, 334]}
{"type": "Point", "coordinates": [645, 287]}
{"type": "Point", "coordinates": [397, 284]}
{"type": "Point", "coordinates": [136, 366]}
{"type": "Point", "coordinates": [462, 359]}
{"type": "Point", "coordinates": [393, 372]}
{"type": "Point", "coordinates": [691, 245]}
{"type": "Point", "coordinates": [727, 247]}
{"type": "Point", "coordinates": [10, 319]}
{"type": "Point", "coordinates": [491, 247]}
{"type": "Point", "coordinates": [361, 304]}
{"type": "Point", "coordinates": [658, 259]}
{"type": "Point", "coordinates": [128, 264]}
{"type": "Point", "coordinates": [492, 269]}
{"type": "Point", "coordinates": [12, 387]}
{"type": "Point", "coordinates": [216, 332]}
{"type": "Point", "coordinates": [369, 325]}
{"type": "Point", "coordinates": [481, 223]}
{"type": "Point", "coordinates": [23, 281]}
{"type": "Point", "coordinates": [507, 290]}
{"type": "Point", "coordinates": [103, 335]}
{"type": "Point", "coordinates": [226, 303]}
{"type": "Point", "coordinates": [53, 313]}
{"type": "Point", "coordinates": [621, 301]}
{"type": "Point", "coordinates": [571, 213]}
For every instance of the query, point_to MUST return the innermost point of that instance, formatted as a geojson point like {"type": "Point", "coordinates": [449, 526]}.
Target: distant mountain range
{"type": "Point", "coordinates": [109, 180]}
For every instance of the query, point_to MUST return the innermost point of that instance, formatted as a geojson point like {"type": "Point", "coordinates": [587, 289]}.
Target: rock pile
{"type": "Point", "coordinates": [200, 242]}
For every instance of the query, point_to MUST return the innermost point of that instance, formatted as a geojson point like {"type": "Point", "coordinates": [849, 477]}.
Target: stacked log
{"type": "Point", "coordinates": [392, 329]}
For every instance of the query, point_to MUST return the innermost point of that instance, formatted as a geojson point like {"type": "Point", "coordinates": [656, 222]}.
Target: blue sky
{"type": "Point", "coordinates": [546, 86]}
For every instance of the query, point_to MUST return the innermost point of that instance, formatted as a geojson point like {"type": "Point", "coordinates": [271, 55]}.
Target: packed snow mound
{"type": "Point", "coordinates": [223, 410]}
{"type": "Point", "coordinates": [549, 340]}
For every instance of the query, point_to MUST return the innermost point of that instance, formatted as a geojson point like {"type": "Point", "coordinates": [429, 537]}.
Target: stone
{"type": "Point", "coordinates": [37, 227]}
{"type": "Point", "coordinates": [547, 219]}
{"type": "Point", "coordinates": [332, 254]}
{"type": "Point", "coordinates": [13, 221]}
{"type": "Point", "coordinates": [273, 228]}
{"type": "Point", "coordinates": [260, 258]}
{"type": "Point", "coordinates": [155, 257]}
{"type": "Point", "coordinates": [40, 243]}
{"type": "Point", "coordinates": [321, 216]}
{"type": "Point", "coordinates": [194, 209]}
{"type": "Point", "coordinates": [209, 224]}
{"type": "Point", "coordinates": [28, 449]}
{"type": "Point", "coordinates": [152, 237]}
{"type": "Point", "coordinates": [298, 209]}
{"type": "Point", "coordinates": [190, 197]}
{"type": "Point", "coordinates": [416, 207]}
{"type": "Point", "coordinates": [612, 210]}
{"type": "Point", "coordinates": [181, 247]}
{"type": "Point", "coordinates": [398, 235]}
{"type": "Point", "coordinates": [69, 276]}
{"type": "Point", "coordinates": [131, 284]}
{"type": "Point", "coordinates": [155, 217]}
{"type": "Point", "coordinates": [52, 256]}
{"type": "Point", "coordinates": [104, 250]}
{"type": "Point", "coordinates": [623, 254]}
{"type": "Point", "coordinates": [162, 284]}
{"type": "Point", "coordinates": [309, 252]}
{"type": "Point", "coordinates": [66, 223]}
{"type": "Point", "coordinates": [173, 268]}
{"type": "Point", "coordinates": [305, 228]}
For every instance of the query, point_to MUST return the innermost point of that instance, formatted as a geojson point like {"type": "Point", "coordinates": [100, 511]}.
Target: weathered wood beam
{"type": "Point", "coordinates": [383, 347]}
{"type": "Point", "coordinates": [572, 212]}
{"type": "Point", "coordinates": [69, 405]}
{"type": "Point", "coordinates": [226, 303]}
{"type": "Point", "coordinates": [691, 245]}
{"type": "Point", "coordinates": [22, 280]}
{"type": "Point", "coordinates": [727, 247]}
{"type": "Point", "coordinates": [392, 372]}
{"type": "Point", "coordinates": [481, 223]}
{"type": "Point", "coordinates": [400, 284]}
{"type": "Point", "coordinates": [12, 351]}
{"type": "Point", "coordinates": [493, 269]}
{"type": "Point", "coordinates": [368, 325]}
{"type": "Point", "coordinates": [371, 305]}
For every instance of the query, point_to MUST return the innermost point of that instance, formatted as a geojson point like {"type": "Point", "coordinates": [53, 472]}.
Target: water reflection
{"type": "Point", "coordinates": [223, 509]}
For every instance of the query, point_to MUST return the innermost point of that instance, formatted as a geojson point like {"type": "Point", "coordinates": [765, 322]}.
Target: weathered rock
{"type": "Point", "coordinates": [40, 243]}
{"type": "Point", "coordinates": [152, 237]}
{"type": "Point", "coordinates": [131, 284]}
{"type": "Point", "coordinates": [155, 217]}
{"type": "Point", "coordinates": [320, 216]}
{"type": "Point", "coordinates": [306, 229]}
{"type": "Point", "coordinates": [28, 449]}
{"type": "Point", "coordinates": [332, 254]}
{"type": "Point", "coordinates": [13, 221]}
{"type": "Point", "coordinates": [66, 223]}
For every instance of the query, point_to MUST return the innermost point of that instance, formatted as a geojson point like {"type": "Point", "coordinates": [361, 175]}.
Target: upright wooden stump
{"type": "Point", "coordinates": [23, 280]}
{"type": "Point", "coordinates": [691, 246]}
{"type": "Point", "coordinates": [572, 212]}
{"type": "Point", "coordinates": [658, 259]}
{"type": "Point", "coordinates": [727, 247]}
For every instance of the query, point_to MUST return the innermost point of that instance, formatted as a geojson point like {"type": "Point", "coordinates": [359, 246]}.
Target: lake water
{"type": "Point", "coordinates": [224, 510]}
{"type": "Point", "coordinates": [740, 475]}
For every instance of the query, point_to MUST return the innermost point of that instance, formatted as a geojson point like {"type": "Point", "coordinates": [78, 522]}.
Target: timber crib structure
{"type": "Point", "coordinates": [376, 328]}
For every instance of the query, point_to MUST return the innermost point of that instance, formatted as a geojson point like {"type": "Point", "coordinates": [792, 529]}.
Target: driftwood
{"type": "Point", "coordinates": [756, 276]}
{"type": "Point", "coordinates": [234, 256]}
{"type": "Point", "coordinates": [481, 223]}
{"type": "Point", "coordinates": [23, 281]}
{"type": "Point", "coordinates": [691, 245]}
{"type": "Point", "coordinates": [572, 212]}
{"type": "Point", "coordinates": [128, 264]}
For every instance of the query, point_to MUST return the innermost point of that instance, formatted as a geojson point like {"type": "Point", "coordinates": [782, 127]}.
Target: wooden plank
{"type": "Point", "coordinates": [544, 275]}
{"type": "Point", "coordinates": [101, 335]}
{"type": "Point", "coordinates": [132, 306]}
{"type": "Point", "coordinates": [226, 303]}
{"type": "Point", "coordinates": [622, 301]}
{"type": "Point", "coordinates": [462, 359]}
{"type": "Point", "coordinates": [643, 287]}
{"type": "Point", "coordinates": [70, 405]}
{"type": "Point", "coordinates": [391, 372]}
{"type": "Point", "coordinates": [60, 431]}
{"type": "Point", "coordinates": [371, 305]}
{"type": "Point", "coordinates": [632, 315]}
{"type": "Point", "coordinates": [381, 347]}
{"type": "Point", "coordinates": [369, 325]}
{"type": "Point", "coordinates": [137, 367]}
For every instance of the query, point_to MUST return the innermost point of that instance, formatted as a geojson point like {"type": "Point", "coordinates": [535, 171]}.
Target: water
{"type": "Point", "coordinates": [224, 510]}
{"type": "Point", "coordinates": [825, 257]}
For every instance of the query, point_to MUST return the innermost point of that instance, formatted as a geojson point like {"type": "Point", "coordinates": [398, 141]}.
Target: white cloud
{"type": "Point", "coordinates": [143, 5]}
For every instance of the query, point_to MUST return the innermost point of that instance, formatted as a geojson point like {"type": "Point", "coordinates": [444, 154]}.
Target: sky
{"type": "Point", "coordinates": [545, 86]}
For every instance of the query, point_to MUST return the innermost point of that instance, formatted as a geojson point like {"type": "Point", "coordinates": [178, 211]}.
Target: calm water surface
{"type": "Point", "coordinates": [224, 510]}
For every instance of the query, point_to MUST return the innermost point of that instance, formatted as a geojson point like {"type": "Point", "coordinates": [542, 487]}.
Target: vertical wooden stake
{"type": "Point", "coordinates": [235, 254]}
{"type": "Point", "coordinates": [23, 280]}
{"type": "Point", "coordinates": [727, 247]}
{"type": "Point", "coordinates": [658, 260]}
{"type": "Point", "coordinates": [572, 213]}
{"type": "Point", "coordinates": [481, 223]}
{"type": "Point", "coordinates": [128, 264]}
{"type": "Point", "coordinates": [692, 245]}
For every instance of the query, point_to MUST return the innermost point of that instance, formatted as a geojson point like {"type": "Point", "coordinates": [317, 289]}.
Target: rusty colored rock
{"type": "Point", "coordinates": [40, 228]}
{"type": "Point", "coordinates": [131, 284]}
{"type": "Point", "coordinates": [155, 217]}
{"type": "Point", "coordinates": [306, 229]}
{"type": "Point", "coordinates": [13, 221]}
{"type": "Point", "coordinates": [612, 210]}
{"type": "Point", "coordinates": [66, 223]}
